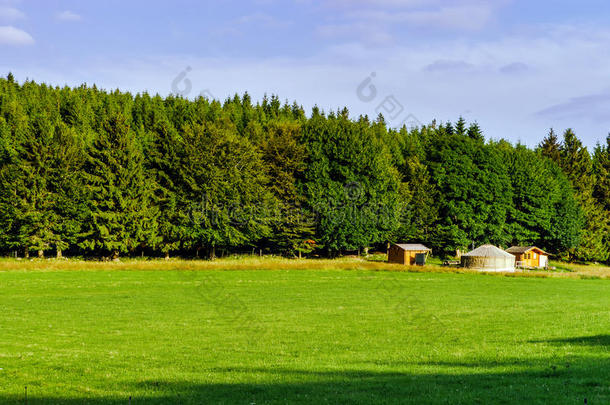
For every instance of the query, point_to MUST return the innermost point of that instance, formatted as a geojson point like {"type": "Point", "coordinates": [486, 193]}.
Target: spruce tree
{"type": "Point", "coordinates": [474, 132]}
{"type": "Point", "coordinates": [550, 147]}
{"type": "Point", "coordinates": [284, 156]}
{"type": "Point", "coordinates": [576, 163]}
{"type": "Point", "coordinates": [120, 215]}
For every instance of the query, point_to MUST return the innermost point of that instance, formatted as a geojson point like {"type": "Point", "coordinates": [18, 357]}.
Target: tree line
{"type": "Point", "coordinates": [94, 173]}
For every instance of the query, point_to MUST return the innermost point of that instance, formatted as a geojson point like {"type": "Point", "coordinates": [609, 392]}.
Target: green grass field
{"type": "Point", "coordinates": [99, 333]}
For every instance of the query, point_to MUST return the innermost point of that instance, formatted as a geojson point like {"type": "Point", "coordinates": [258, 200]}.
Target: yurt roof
{"type": "Point", "coordinates": [488, 251]}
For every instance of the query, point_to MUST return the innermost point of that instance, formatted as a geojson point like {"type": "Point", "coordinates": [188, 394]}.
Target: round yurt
{"type": "Point", "coordinates": [488, 258]}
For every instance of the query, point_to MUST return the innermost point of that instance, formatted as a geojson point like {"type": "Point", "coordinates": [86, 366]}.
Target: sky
{"type": "Point", "coordinates": [517, 67]}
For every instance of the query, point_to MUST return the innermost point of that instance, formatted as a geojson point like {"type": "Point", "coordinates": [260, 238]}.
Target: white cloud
{"type": "Point", "coordinates": [466, 17]}
{"type": "Point", "coordinates": [361, 20]}
{"type": "Point", "coordinates": [8, 13]}
{"type": "Point", "coordinates": [381, 3]}
{"type": "Point", "coordinates": [369, 35]}
{"type": "Point", "coordinates": [593, 107]}
{"type": "Point", "coordinates": [10, 35]}
{"type": "Point", "coordinates": [68, 15]}
{"type": "Point", "coordinates": [449, 66]}
{"type": "Point", "coordinates": [501, 81]}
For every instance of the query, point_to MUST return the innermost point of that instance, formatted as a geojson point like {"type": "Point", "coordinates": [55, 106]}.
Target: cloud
{"type": "Point", "coordinates": [10, 35]}
{"type": "Point", "coordinates": [369, 35]}
{"type": "Point", "coordinates": [380, 3]}
{"type": "Point", "coordinates": [593, 107]}
{"type": "Point", "coordinates": [461, 15]}
{"type": "Point", "coordinates": [464, 17]}
{"type": "Point", "coordinates": [68, 15]}
{"type": "Point", "coordinates": [514, 68]}
{"type": "Point", "coordinates": [449, 66]}
{"type": "Point", "coordinates": [8, 13]}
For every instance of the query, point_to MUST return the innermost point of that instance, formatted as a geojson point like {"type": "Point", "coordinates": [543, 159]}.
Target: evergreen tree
{"type": "Point", "coordinates": [474, 193]}
{"type": "Point", "coordinates": [120, 215]}
{"type": "Point", "coordinates": [460, 127]}
{"type": "Point", "coordinates": [222, 189]}
{"type": "Point", "coordinates": [474, 132]}
{"type": "Point", "coordinates": [350, 184]}
{"type": "Point", "coordinates": [284, 156]}
{"type": "Point", "coordinates": [576, 163]}
{"type": "Point", "coordinates": [420, 197]}
{"type": "Point", "coordinates": [550, 146]}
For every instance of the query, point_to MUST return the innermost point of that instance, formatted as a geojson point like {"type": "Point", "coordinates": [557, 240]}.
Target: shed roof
{"type": "Point", "coordinates": [488, 251]}
{"type": "Point", "coordinates": [412, 246]}
{"type": "Point", "coordinates": [525, 249]}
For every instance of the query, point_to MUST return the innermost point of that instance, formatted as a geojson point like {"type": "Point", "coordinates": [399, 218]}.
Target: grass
{"type": "Point", "coordinates": [563, 270]}
{"type": "Point", "coordinates": [306, 332]}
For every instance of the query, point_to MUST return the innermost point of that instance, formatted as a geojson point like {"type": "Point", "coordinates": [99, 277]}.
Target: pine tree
{"type": "Point", "coordinates": [469, 176]}
{"type": "Point", "coordinates": [550, 146]}
{"type": "Point", "coordinates": [601, 167]}
{"type": "Point", "coordinates": [420, 196]}
{"type": "Point", "coordinates": [576, 163]}
{"type": "Point", "coordinates": [222, 189]}
{"type": "Point", "coordinates": [350, 184]}
{"type": "Point", "coordinates": [460, 127]}
{"type": "Point", "coordinates": [120, 215]}
{"type": "Point", "coordinates": [284, 156]}
{"type": "Point", "coordinates": [544, 211]}
{"type": "Point", "coordinates": [474, 132]}
{"type": "Point", "coordinates": [601, 190]}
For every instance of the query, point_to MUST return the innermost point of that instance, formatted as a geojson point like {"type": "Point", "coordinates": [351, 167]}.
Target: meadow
{"type": "Point", "coordinates": [271, 331]}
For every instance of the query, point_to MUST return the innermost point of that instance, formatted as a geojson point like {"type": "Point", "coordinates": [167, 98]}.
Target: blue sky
{"type": "Point", "coordinates": [517, 67]}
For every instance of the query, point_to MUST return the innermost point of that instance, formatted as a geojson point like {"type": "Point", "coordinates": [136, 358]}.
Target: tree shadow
{"type": "Point", "coordinates": [541, 383]}
{"type": "Point", "coordinates": [597, 340]}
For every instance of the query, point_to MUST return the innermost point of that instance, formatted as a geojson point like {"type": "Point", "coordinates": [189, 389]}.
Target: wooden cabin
{"type": "Point", "coordinates": [409, 254]}
{"type": "Point", "coordinates": [530, 256]}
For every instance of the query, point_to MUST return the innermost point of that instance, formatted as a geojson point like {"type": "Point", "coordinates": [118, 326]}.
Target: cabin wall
{"type": "Point", "coordinates": [529, 259]}
{"type": "Point", "coordinates": [410, 256]}
{"type": "Point", "coordinates": [396, 255]}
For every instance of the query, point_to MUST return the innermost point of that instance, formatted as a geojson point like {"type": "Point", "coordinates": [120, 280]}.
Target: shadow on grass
{"type": "Point", "coordinates": [540, 383]}
{"type": "Point", "coordinates": [598, 340]}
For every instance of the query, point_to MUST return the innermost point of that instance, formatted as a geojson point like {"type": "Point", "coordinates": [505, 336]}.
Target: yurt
{"type": "Point", "coordinates": [488, 258]}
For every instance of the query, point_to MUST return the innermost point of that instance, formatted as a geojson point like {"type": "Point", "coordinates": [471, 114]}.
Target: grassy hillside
{"type": "Point", "coordinates": [99, 333]}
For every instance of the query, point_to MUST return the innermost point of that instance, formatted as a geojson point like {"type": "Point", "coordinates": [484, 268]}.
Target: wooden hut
{"type": "Point", "coordinates": [530, 256]}
{"type": "Point", "coordinates": [408, 253]}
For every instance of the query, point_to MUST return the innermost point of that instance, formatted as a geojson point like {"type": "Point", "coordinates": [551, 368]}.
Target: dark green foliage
{"type": "Point", "coordinates": [544, 211]}
{"type": "Point", "coordinates": [550, 147]}
{"type": "Point", "coordinates": [474, 132]}
{"type": "Point", "coordinates": [474, 193]}
{"type": "Point", "coordinates": [350, 183]}
{"type": "Point", "coordinates": [120, 216]}
{"type": "Point", "coordinates": [284, 156]}
{"type": "Point", "coordinates": [84, 171]}
{"type": "Point", "coordinates": [576, 163]}
{"type": "Point", "coordinates": [222, 188]}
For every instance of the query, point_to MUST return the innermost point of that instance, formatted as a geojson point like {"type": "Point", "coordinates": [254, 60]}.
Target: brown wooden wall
{"type": "Point", "coordinates": [397, 255]}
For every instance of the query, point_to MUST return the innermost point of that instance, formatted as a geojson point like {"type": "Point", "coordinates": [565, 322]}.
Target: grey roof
{"type": "Point", "coordinates": [523, 249]}
{"type": "Point", "coordinates": [488, 251]}
{"type": "Point", "coordinates": [411, 246]}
